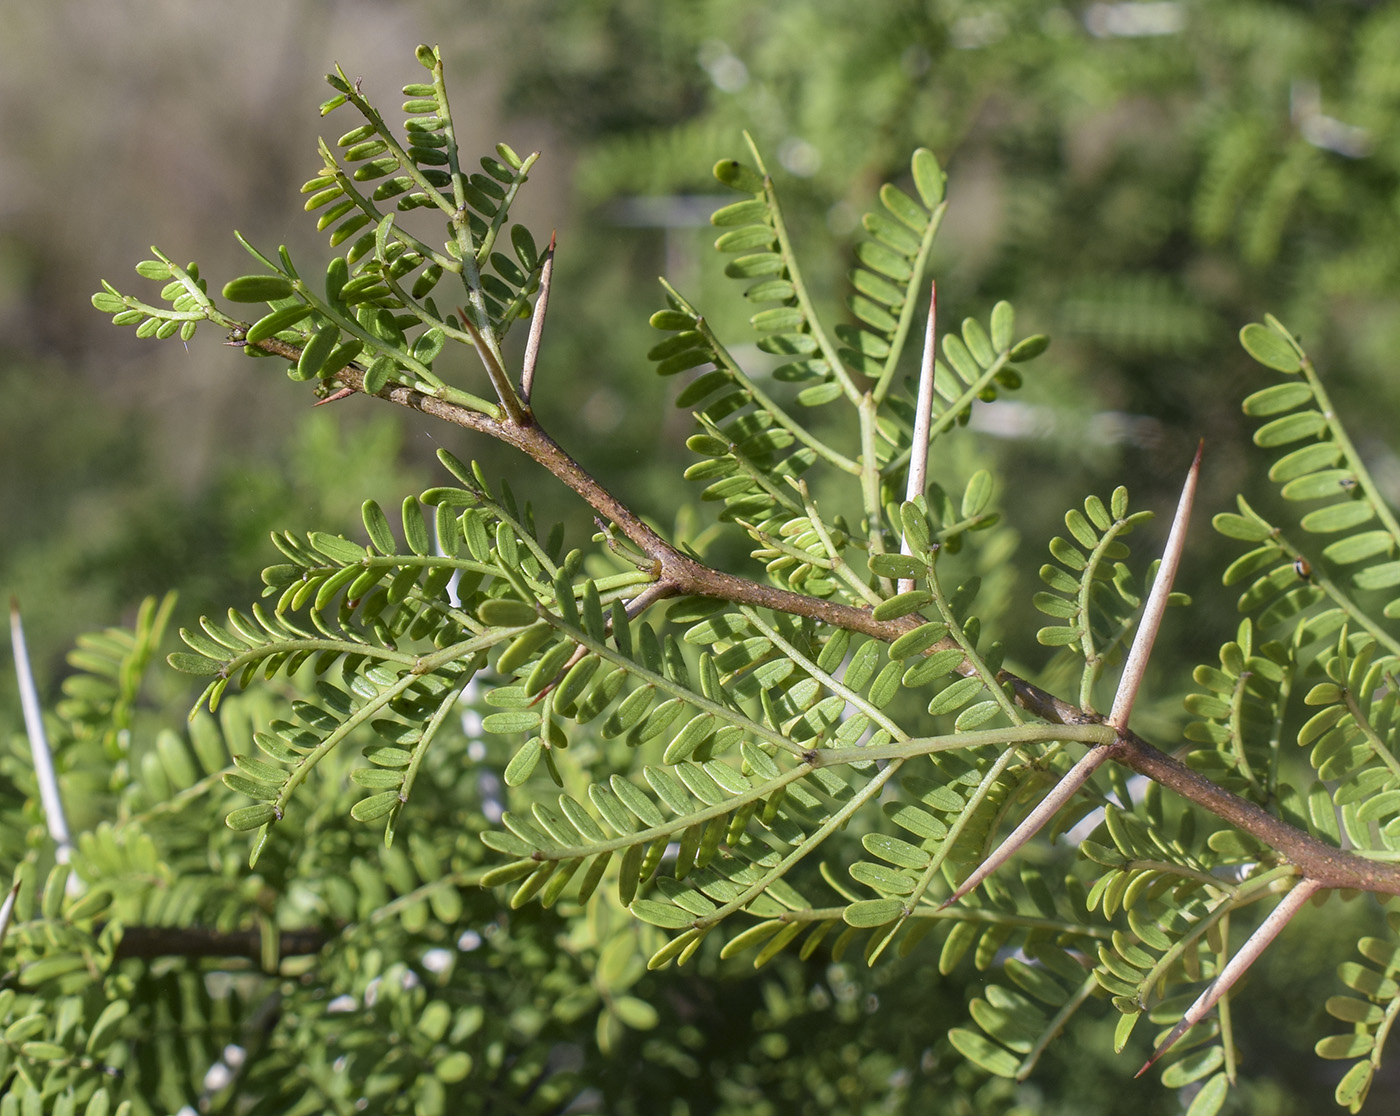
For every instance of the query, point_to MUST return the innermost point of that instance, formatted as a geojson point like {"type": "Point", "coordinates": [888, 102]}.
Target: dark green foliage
{"type": "Point", "coordinates": [694, 780]}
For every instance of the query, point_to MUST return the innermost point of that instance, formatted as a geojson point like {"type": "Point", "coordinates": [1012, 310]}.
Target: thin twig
{"type": "Point", "coordinates": [49, 796]}
{"type": "Point", "coordinates": [532, 343]}
{"type": "Point", "coordinates": [1236, 967]}
{"type": "Point", "coordinates": [923, 419]}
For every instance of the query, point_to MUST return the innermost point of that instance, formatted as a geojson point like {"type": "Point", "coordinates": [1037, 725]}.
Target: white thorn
{"type": "Point", "coordinates": [1136, 665]}
{"type": "Point", "coordinates": [923, 419]}
{"type": "Point", "coordinates": [1236, 967]}
{"type": "Point", "coordinates": [49, 797]}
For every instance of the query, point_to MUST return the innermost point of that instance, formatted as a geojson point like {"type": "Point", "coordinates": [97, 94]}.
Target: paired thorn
{"type": "Point", "coordinates": [532, 343]}
{"type": "Point", "coordinates": [49, 796]}
{"type": "Point", "coordinates": [1237, 966]}
{"type": "Point", "coordinates": [923, 419]}
{"type": "Point", "coordinates": [1123, 700]}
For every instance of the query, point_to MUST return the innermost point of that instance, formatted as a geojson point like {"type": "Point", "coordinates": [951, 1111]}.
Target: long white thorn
{"type": "Point", "coordinates": [1133, 672]}
{"type": "Point", "coordinates": [49, 797]}
{"type": "Point", "coordinates": [1236, 967]}
{"type": "Point", "coordinates": [1136, 666]}
{"type": "Point", "coordinates": [923, 419]}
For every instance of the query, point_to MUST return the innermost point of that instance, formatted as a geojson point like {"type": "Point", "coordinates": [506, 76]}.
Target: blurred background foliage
{"type": "Point", "coordinates": [1140, 179]}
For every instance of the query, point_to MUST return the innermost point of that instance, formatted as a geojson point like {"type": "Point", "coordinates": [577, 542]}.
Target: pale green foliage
{"type": "Point", "coordinates": [745, 780]}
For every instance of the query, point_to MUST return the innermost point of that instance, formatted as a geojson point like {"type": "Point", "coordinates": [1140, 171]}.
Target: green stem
{"type": "Point", "coordinates": [498, 221]}
{"type": "Point", "coordinates": [1392, 1011]}
{"type": "Point", "coordinates": [366, 206]}
{"type": "Point", "coordinates": [746, 466]}
{"type": "Point", "coordinates": [430, 730]}
{"type": "Point", "coordinates": [1354, 461]}
{"type": "Point", "coordinates": [1242, 763]}
{"type": "Point", "coordinates": [361, 716]}
{"type": "Point", "coordinates": [1093, 661]}
{"type": "Point", "coordinates": [675, 825]}
{"type": "Point", "coordinates": [982, 738]}
{"type": "Point", "coordinates": [1087, 989]}
{"type": "Point", "coordinates": [1378, 745]}
{"type": "Point", "coordinates": [838, 688]}
{"type": "Point", "coordinates": [870, 484]}
{"type": "Point", "coordinates": [964, 819]}
{"type": "Point", "coordinates": [346, 647]}
{"type": "Point", "coordinates": [965, 914]}
{"type": "Point", "coordinates": [1227, 1035]}
{"type": "Point", "coordinates": [839, 565]}
{"type": "Point", "coordinates": [385, 133]}
{"type": "Point", "coordinates": [949, 415]}
{"type": "Point", "coordinates": [1250, 892]}
{"type": "Point", "coordinates": [911, 304]}
{"type": "Point", "coordinates": [972, 661]}
{"type": "Point", "coordinates": [1334, 592]}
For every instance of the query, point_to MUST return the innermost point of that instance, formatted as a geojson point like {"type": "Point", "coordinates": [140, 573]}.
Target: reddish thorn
{"type": "Point", "coordinates": [341, 394]}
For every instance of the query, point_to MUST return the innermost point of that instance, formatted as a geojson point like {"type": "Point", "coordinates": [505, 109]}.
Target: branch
{"type": "Point", "coordinates": [201, 941]}
{"type": "Point", "coordinates": [678, 574]}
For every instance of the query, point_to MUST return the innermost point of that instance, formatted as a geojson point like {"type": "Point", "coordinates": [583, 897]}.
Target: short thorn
{"type": "Point", "coordinates": [532, 343]}
{"type": "Point", "coordinates": [342, 393]}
